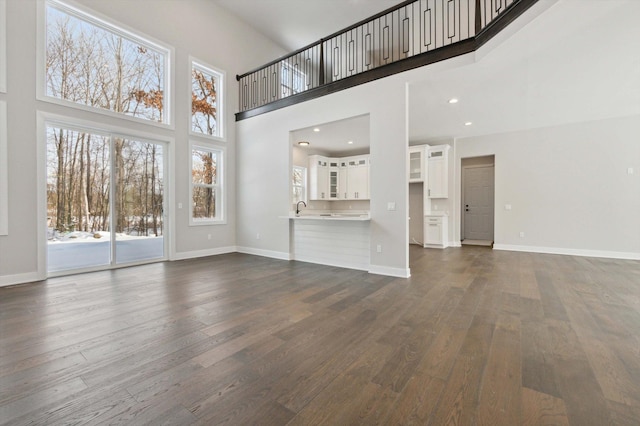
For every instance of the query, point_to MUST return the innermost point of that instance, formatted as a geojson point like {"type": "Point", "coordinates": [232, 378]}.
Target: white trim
{"type": "Point", "coordinates": [29, 277]}
{"type": "Point", "coordinates": [220, 101]}
{"type": "Point", "coordinates": [221, 177]}
{"type": "Point", "coordinates": [184, 255]}
{"type": "Point", "coordinates": [389, 271]}
{"type": "Point", "coordinates": [454, 244]}
{"type": "Point", "coordinates": [108, 24]}
{"type": "Point", "coordinates": [4, 174]}
{"type": "Point", "coordinates": [569, 251]}
{"type": "Point", "coordinates": [264, 253]}
{"type": "Point", "coordinates": [3, 46]}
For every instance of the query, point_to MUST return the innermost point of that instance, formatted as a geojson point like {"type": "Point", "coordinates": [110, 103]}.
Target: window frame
{"type": "Point", "coordinates": [219, 187]}
{"type": "Point", "coordinates": [4, 175]}
{"type": "Point", "coordinates": [304, 185]}
{"type": "Point", "coordinates": [3, 46]}
{"type": "Point", "coordinates": [220, 101]}
{"type": "Point", "coordinates": [107, 24]}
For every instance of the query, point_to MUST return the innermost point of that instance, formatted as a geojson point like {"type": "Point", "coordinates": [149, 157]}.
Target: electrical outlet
{"type": "Point", "coordinates": [208, 236]}
{"type": "Point", "coordinates": [179, 205]}
{"type": "Point", "coordinates": [521, 234]}
{"type": "Point", "coordinates": [379, 248]}
{"type": "Point", "coordinates": [258, 236]}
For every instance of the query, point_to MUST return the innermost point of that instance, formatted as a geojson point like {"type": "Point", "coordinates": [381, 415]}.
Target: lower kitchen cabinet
{"type": "Point", "coordinates": [436, 231]}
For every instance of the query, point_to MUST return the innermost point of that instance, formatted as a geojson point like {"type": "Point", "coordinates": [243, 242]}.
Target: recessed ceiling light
{"type": "Point", "coordinates": [350, 142]}
{"type": "Point", "coordinates": [316, 130]}
{"type": "Point", "coordinates": [453, 101]}
{"type": "Point", "coordinates": [468, 123]}
{"type": "Point", "coordinates": [304, 143]}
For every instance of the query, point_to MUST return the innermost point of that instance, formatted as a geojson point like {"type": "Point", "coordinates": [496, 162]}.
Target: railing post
{"type": "Point", "coordinates": [478, 17]}
{"type": "Point", "coordinates": [321, 73]}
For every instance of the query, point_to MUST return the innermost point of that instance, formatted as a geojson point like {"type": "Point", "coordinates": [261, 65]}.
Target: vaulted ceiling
{"type": "Point", "coordinates": [565, 61]}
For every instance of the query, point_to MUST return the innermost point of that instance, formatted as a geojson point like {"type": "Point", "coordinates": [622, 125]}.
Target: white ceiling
{"type": "Point", "coordinates": [294, 24]}
{"type": "Point", "coordinates": [333, 138]}
{"type": "Point", "coordinates": [576, 60]}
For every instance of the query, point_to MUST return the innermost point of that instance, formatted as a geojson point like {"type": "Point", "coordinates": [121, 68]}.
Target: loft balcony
{"type": "Point", "coordinates": [412, 34]}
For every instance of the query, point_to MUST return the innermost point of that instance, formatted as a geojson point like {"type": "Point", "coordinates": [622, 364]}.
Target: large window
{"type": "Point", "coordinates": [93, 63]}
{"type": "Point", "coordinates": [206, 185]}
{"type": "Point", "coordinates": [206, 100]}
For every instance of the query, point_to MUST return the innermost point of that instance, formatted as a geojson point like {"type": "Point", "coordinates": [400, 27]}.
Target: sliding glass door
{"type": "Point", "coordinates": [105, 199]}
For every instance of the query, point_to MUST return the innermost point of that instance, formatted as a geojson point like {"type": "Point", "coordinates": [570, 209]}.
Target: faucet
{"type": "Point", "coordinates": [298, 207]}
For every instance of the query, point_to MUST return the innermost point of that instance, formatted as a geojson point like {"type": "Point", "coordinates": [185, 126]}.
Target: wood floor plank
{"type": "Point", "coordinates": [542, 409]}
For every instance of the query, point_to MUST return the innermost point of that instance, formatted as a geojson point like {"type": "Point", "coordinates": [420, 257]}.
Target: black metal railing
{"type": "Point", "coordinates": [410, 29]}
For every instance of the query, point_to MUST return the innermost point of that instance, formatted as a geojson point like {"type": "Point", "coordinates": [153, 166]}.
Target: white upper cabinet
{"type": "Point", "coordinates": [358, 178]}
{"type": "Point", "coordinates": [438, 171]}
{"type": "Point", "coordinates": [339, 178]}
{"type": "Point", "coordinates": [318, 177]}
{"type": "Point", "coordinates": [417, 163]}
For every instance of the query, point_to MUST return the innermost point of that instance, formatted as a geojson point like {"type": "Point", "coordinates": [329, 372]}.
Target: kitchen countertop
{"type": "Point", "coordinates": [330, 216]}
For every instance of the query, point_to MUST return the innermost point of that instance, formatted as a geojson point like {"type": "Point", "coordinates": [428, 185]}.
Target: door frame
{"type": "Point", "coordinates": [462, 191]}
{"type": "Point", "coordinates": [45, 119]}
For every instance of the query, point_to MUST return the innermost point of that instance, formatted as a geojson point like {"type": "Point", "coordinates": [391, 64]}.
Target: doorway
{"type": "Point", "coordinates": [105, 200]}
{"type": "Point", "coordinates": [478, 194]}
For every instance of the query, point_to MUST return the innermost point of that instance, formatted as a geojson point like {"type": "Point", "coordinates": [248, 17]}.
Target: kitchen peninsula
{"type": "Point", "coordinates": [336, 239]}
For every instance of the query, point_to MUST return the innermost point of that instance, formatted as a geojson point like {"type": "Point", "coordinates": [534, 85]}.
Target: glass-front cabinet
{"type": "Point", "coordinates": [417, 163]}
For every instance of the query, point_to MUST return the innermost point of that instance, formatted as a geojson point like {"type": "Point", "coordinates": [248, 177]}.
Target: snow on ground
{"type": "Point", "coordinates": [75, 250]}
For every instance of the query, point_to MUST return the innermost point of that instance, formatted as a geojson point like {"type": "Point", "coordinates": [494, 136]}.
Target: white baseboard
{"type": "Point", "coordinates": [391, 272]}
{"type": "Point", "coordinates": [29, 277]}
{"type": "Point", "coordinates": [264, 253]}
{"type": "Point", "coordinates": [454, 244]}
{"type": "Point", "coordinates": [569, 251]}
{"type": "Point", "coordinates": [203, 253]}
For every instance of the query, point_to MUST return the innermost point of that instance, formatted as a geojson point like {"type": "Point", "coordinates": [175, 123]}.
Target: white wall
{"type": "Point", "coordinates": [195, 28]}
{"type": "Point", "coordinates": [568, 186]}
{"type": "Point", "coordinates": [264, 164]}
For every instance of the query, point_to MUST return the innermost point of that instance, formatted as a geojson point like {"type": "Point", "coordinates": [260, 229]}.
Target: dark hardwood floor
{"type": "Point", "coordinates": [475, 336]}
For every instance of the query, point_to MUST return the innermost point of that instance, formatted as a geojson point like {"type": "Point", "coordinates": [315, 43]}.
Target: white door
{"type": "Point", "coordinates": [478, 199]}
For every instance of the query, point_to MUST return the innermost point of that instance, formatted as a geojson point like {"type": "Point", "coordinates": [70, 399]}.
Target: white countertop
{"type": "Point", "coordinates": [329, 216]}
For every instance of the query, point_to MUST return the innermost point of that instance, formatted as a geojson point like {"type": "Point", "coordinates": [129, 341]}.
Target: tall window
{"type": "Point", "coordinates": [206, 100]}
{"type": "Point", "coordinates": [299, 184]}
{"type": "Point", "coordinates": [3, 46]}
{"type": "Point", "coordinates": [93, 63]}
{"type": "Point", "coordinates": [206, 185]}
{"type": "Point", "coordinates": [4, 176]}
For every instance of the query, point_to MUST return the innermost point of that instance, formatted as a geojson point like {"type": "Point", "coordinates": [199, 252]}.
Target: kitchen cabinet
{"type": "Point", "coordinates": [342, 180]}
{"type": "Point", "coordinates": [318, 178]}
{"type": "Point", "coordinates": [339, 178]}
{"type": "Point", "coordinates": [417, 163]}
{"type": "Point", "coordinates": [334, 172]}
{"type": "Point", "coordinates": [438, 171]}
{"type": "Point", "coordinates": [358, 178]}
{"type": "Point", "coordinates": [436, 231]}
